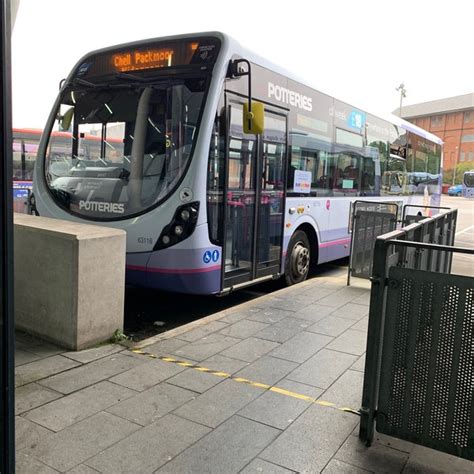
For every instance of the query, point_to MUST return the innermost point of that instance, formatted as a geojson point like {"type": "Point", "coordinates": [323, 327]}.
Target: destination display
{"type": "Point", "coordinates": [152, 56]}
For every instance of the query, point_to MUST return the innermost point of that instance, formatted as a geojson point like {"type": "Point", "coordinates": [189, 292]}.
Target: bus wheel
{"type": "Point", "coordinates": [297, 258]}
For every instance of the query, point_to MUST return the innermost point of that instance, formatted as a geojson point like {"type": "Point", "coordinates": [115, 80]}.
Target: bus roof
{"type": "Point", "coordinates": [233, 46]}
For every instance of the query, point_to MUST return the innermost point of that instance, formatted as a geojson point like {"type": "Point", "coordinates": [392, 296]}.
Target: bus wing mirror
{"type": "Point", "coordinates": [66, 119]}
{"type": "Point", "coordinates": [254, 119]}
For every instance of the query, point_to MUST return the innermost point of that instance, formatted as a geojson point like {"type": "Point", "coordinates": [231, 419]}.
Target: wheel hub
{"type": "Point", "coordinates": [300, 259]}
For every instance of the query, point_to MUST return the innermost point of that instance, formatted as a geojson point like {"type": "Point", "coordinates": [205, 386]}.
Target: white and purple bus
{"type": "Point", "coordinates": [222, 168]}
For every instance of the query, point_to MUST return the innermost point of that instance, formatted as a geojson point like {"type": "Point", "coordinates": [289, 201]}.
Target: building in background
{"type": "Point", "coordinates": [452, 120]}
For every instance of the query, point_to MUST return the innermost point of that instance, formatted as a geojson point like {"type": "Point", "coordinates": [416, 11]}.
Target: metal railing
{"type": "Point", "coordinates": [368, 220]}
{"type": "Point", "coordinates": [419, 373]}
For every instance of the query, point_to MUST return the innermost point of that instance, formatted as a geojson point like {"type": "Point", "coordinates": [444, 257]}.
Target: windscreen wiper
{"type": "Point", "coordinates": [129, 77]}
{"type": "Point", "coordinates": [83, 82]}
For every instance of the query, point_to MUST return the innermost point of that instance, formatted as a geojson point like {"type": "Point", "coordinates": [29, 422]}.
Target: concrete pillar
{"type": "Point", "coordinates": [69, 280]}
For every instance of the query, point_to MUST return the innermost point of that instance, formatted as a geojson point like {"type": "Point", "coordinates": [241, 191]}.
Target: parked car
{"type": "Point", "coordinates": [455, 190]}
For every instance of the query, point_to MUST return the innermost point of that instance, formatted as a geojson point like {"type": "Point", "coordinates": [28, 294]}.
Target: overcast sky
{"type": "Point", "coordinates": [356, 50]}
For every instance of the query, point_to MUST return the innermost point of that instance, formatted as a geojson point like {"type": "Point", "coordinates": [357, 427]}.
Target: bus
{"type": "Point", "coordinates": [226, 170]}
{"type": "Point", "coordinates": [25, 148]}
{"type": "Point", "coordinates": [468, 184]}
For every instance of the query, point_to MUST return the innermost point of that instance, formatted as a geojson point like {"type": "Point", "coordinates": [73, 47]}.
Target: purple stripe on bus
{"type": "Point", "coordinates": [173, 270]}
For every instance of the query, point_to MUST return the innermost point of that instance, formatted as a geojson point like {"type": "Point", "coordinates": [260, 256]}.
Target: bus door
{"type": "Point", "coordinates": [254, 198]}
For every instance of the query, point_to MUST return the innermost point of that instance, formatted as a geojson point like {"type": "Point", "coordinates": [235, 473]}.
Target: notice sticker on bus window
{"type": "Point", "coordinates": [347, 183]}
{"type": "Point", "coordinates": [302, 183]}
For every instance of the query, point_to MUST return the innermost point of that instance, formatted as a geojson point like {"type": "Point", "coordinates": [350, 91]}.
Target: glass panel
{"type": "Point", "coordinates": [119, 150]}
{"type": "Point", "coordinates": [240, 197]}
{"type": "Point", "coordinates": [215, 182]}
{"type": "Point", "coordinates": [346, 175]}
{"type": "Point", "coordinates": [343, 137]}
{"type": "Point", "coordinates": [271, 199]}
{"type": "Point", "coordinates": [469, 179]}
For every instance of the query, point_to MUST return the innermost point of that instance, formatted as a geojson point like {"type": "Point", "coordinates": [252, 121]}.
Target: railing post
{"type": "Point", "coordinates": [374, 343]}
{"type": "Point", "coordinates": [7, 336]}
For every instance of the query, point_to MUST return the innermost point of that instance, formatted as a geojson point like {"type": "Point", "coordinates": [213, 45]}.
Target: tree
{"type": "Point", "coordinates": [448, 175]}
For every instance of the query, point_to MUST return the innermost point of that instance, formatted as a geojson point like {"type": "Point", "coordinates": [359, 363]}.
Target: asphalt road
{"type": "Point", "coordinates": [463, 264]}
{"type": "Point", "coordinates": [150, 312]}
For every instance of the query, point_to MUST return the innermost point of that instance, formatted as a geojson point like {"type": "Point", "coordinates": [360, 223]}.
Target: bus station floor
{"type": "Point", "coordinates": [265, 387]}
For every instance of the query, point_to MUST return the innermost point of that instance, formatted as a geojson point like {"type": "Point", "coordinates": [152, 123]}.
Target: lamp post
{"type": "Point", "coordinates": [403, 94]}
{"type": "Point", "coordinates": [445, 140]}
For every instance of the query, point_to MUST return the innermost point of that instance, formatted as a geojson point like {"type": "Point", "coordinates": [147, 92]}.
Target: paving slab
{"type": "Point", "coordinates": [359, 364]}
{"type": "Point", "coordinates": [200, 332]}
{"type": "Point", "coordinates": [244, 328]}
{"type": "Point", "coordinates": [150, 447]}
{"type": "Point", "coordinates": [301, 347]}
{"type": "Point", "coordinates": [268, 370]}
{"type": "Point", "coordinates": [294, 302]}
{"type": "Point", "coordinates": [351, 342]}
{"type": "Point", "coordinates": [270, 315]}
{"type": "Point", "coordinates": [82, 469]}
{"type": "Point", "coordinates": [353, 311]}
{"type": "Point", "coordinates": [250, 349]}
{"type": "Point", "coordinates": [362, 325]}
{"type": "Point", "coordinates": [346, 391]}
{"type": "Point", "coordinates": [77, 406]}
{"type": "Point", "coordinates": [89, 355]}
{"type": "Point", "coordinates": [24, 357]}
{"type": "Point", "coordinates": [219, 403]}
{"type": "Point", "coordinates": [323, 369]}
{"type": "Point", "coordinates": [309, 443]}
{"type": "Point", "coordinates": [275, 409]}
{"type": "Point", "coordinates": [216, 424]}
{"type": "Point", "coordinates": [227, 449]}
{"type": "Point", "coordinates": [236, 316]}
{"type": "Point", "coordinates": [283, 330]}
{"type": "Point", "coordinates": [73, 445]}
{"type": "Point", "coordinates": [25, 464]}
{"type": "Point", "coordinates": [147, 375]}
{"type": "Point", "coordinates": [377, 458]}
{"type": "Point", "coordinates": [195, 380]}
{"type": "Point", "coordinates": [313, 313]}
{"type": "Point", "coordinates": [206, 347]}
{"type": "Point", "coordinates": [147, 407]}
{"type": "Point", "coordinates": [224, 364]}
{"type": "Point", "coordinates": [300, 388]}
{"type": "Point", "coordinates": [28, 433]}
{"type": "Point", "coordinates": [165, 347]}
{"type": "Point", "coordinates": [42, 368]}
{"type": "Point", "coordinates": [338, 467]}
{"type": "Point", "coordinates": [341, 297]}
{"type": "Point", "coordinates": [33, 395]}
{"type": "Point", "coordinates": [265, 467]}
{"type": "Point", "coordinates": [331, 325]}
{"type": "Point", "coordinates": [425, 460]}
{"type": "Point", "coordinates": [89, 374]}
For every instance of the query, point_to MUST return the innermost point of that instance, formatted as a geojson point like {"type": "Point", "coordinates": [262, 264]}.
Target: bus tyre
{"type": "Point", "coordinates": [298, 258]}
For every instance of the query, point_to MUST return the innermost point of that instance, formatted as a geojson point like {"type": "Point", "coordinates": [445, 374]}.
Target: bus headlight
{"type": "Point", "coordinates": [185, 215]}
{"type": "Point", "coordinates": [181, 226]}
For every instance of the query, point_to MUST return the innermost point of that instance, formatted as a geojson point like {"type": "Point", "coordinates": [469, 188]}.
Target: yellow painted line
{"type": "Point", "coordinates": [218, 373]}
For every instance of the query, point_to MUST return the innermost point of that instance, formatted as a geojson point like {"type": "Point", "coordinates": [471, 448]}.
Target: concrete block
{"type": "Point", "coordinates": [69, 280]}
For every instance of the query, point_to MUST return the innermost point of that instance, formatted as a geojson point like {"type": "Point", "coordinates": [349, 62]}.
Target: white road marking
{"type": "Point", "coordinates": [465, 230]}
